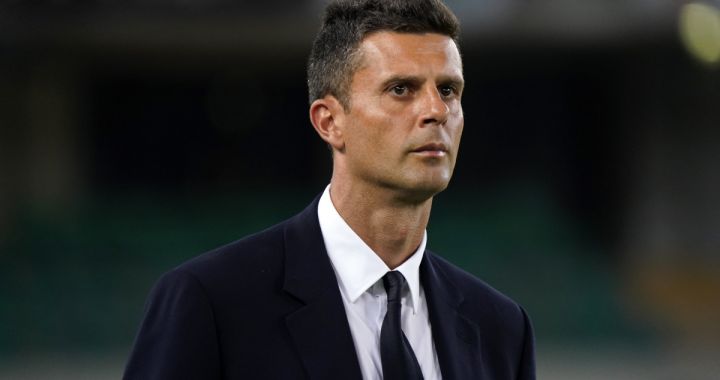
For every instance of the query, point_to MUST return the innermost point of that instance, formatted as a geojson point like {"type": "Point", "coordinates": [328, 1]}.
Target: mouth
{"type": "Point", "coordinates": [432, 150]}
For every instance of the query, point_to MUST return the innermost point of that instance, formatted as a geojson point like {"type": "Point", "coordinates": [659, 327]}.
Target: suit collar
{"type": "Point", "coordinates": [319, 328]}
{"type": "Point", "coordinates": [456, 338]}
{"type": "Point", "coordinates": [308, 273]}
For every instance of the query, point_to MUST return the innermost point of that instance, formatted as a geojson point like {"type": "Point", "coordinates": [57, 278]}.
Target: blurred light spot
{"type": "Point", "coordinates": [700, 31]}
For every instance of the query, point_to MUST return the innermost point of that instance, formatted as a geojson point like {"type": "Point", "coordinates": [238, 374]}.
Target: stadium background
{"type": "Point", "coordinates": [135, 135]}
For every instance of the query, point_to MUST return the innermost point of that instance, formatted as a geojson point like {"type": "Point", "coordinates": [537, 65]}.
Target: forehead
{"type": "Point", "coordinates": [412, 53]}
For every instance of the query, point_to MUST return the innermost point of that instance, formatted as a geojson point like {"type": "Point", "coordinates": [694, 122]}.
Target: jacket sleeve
{"type": "Point", "coordinates": [526, 371]}
{"type": "Point", "coordinates": [177, 337]}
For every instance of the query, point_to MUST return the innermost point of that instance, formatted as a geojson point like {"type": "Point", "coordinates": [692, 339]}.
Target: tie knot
{"type": "Point", "coordinates": [393, 282]}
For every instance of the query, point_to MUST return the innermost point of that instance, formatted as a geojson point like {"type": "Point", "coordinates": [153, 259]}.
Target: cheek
{"type": "Point", "coordinates": [457, 129]}
{"type": "Point", "coordinates": [365, 140]}
{"type": "Point", "coordinates": [381, 127]}
{"type": "Point", "coordinates": [378, 130]}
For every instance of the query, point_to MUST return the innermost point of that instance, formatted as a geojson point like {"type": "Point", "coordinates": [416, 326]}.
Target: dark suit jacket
{"type": "Point", "coordinates": [268, 307]}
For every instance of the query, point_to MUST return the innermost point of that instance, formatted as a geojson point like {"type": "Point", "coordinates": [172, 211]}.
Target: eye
{"type": "Point", "coordinates": [447, 91]}
{"type": "Point", "coordinates": [399, 89]}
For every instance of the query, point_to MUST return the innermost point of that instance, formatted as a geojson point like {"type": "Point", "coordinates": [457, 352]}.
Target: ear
{"type": "Point", "coordinates": [327, 117]}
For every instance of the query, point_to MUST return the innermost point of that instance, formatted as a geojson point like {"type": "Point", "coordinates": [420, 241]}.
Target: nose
{"type": "Point", "coordinates": [435, 109]}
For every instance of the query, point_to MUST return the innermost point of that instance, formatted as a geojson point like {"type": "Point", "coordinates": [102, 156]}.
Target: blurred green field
{"type": "Point", "coordinates": [75, 279]}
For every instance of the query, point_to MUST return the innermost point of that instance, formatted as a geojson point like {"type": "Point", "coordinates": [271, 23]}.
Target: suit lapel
{"type": "Point", "coordinates": [457, 339]}
{"type": "Point", "coordinates": [319, 328]}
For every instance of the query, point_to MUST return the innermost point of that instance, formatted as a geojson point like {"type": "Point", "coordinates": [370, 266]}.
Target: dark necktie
{"type": "Point", "coordinates": [398, 359]}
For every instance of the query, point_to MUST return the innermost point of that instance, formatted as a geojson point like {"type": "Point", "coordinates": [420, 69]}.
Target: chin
{"type": "Point", "coordinates": [435, 183]}
{"type": "Point", "coordinates": [422, 191]}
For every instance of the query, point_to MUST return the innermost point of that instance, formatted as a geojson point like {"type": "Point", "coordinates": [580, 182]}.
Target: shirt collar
{"type": "Point", "coordinates": [356, 265]}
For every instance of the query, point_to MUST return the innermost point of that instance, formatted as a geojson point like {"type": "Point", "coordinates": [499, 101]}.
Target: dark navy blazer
{"type": "Point", "coordinates": [268, 307]}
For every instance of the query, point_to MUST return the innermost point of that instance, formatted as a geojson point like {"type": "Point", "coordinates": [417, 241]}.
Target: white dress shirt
{"type": "Point", "coordinates": [359, 272]}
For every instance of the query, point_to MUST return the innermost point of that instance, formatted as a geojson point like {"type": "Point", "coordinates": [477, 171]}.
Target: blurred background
{"type": "Point", "coordinates": [137, 134]}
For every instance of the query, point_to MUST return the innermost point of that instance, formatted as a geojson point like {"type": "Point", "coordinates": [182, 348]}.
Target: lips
{"type": "Point", "coordinates": [431, 147]}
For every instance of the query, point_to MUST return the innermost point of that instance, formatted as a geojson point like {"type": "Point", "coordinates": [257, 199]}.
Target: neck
{"type": "Point", "coordinates": [391, 226]}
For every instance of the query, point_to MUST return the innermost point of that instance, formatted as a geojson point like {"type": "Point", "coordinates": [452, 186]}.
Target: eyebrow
{"type": "Point", "coordinates": [417, 81]}
{"type": "Point", "coordinates": [457, 82]}
{"type": "Point", "coordinates": [411, 79]}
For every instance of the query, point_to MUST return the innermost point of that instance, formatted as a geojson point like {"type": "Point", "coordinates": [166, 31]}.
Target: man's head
{"type": "Point", "coordinates": [335, 53]}
{"type": "Point", "coordinates": [391, 111]}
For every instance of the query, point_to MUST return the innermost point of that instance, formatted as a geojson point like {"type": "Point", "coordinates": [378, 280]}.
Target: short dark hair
{"type": "Point", "coordinates": [334, 56]}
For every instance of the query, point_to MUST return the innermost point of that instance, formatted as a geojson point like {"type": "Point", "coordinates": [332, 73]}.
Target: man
{"type": "Point", "coordinates": [346, 289]}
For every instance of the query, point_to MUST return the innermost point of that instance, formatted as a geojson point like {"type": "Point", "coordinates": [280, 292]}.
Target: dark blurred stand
{"type": "Point", "coordinates": [134, 135]}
